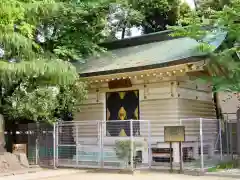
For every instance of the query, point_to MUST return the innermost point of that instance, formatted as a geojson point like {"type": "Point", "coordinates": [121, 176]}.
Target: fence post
{"type": "Point", "coordinates": [231, 143]}
{"type": "Point", "coordinates": [76, 126]}
{"type": "Point", "coordinates": [101, 125]}
{"type": "Point", "coordinates": [37, 144]}
{"type": "Point", "coordinates": [54, 145]}
{"type": "Point", "coordinates": [149, 146]}
{"type": "Point", "coordinates": [201, 142]}
{"type": "Point", "coordinates": [36, 151]}
{"type": "Point", "coordinates": [220, 138]}
{"type": "Point", "coordinates": [226, 128]}
{"type": "Point", "coordinates": [100, 144]}
{"type": "Point", "coordinates": [57, 132]}
{"type": "Point", "coordinates": [132, 146]}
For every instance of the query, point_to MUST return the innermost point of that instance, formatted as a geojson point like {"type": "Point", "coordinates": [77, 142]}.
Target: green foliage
{"type": "Point", "coordinates": [123, 150]}
{"type": "Point", "coordinates": [36, 105]}
{"type": "Point", "coordinates": [224, 165]}
{"type": "Point", "coordinates": [185, 14]}
{"type": "Point", "coordinates": [45, 104]}
{"type": "Point", "coordinates": [70, 97]}
{"type": "Point", "coordinates": [37, 39]}
{"type": "Point", "coordinates": [148, 15]}
{"type": "Point", "coordinates": [227, 165]}
{"type": "Point", "coordinates": [71, 29]}
{"type": "Point", "coordinates": [224, 64]}
{"type": "Point", "coordinates": [208, 7]}
{"type": "Point", "coordinates": [68, 29]}
{"type": "Point", "coordinates": [52, 72]}
{"type": "Point", "coordinates": [122, 17]}
{"type": "Point", "coordinates": [159, 14]}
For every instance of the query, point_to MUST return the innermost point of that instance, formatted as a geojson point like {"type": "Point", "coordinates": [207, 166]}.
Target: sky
{"type": "Point", "coordinates": [137, 32]}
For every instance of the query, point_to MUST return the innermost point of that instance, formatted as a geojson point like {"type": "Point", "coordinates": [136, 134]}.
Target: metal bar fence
{"type": "Point", "coordinates": [136, 144]}
{"type": "Point", "coordinates": [117, 144]}
{"type": "Point", "coordinates": [201, 142]}
{"type": "Point", "coordinates": [229, 135]}
{"type": "Point", "coordinates": [205, 135]}
{"type": "Point", "coordinates": [54, 146]}
{"type": "Point", "coordinates": [40, 144]}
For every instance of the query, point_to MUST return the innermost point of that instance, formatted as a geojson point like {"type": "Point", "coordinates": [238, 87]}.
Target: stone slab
{"type": "Point", "coordinates": [22, 157]}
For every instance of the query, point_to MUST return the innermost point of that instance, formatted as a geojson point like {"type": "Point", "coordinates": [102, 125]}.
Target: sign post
{"type": "Point", "coordinates": [175, 134]}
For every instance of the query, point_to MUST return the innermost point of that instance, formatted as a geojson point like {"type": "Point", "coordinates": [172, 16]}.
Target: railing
{"type": "Point", "coordinates": [135, 144]}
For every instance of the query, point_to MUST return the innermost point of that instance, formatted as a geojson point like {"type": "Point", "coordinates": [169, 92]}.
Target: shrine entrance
{"type": "Point", "coordinates": [122, 106]}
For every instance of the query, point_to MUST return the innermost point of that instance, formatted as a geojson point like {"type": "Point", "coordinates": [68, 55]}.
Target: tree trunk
{"type": "Point", "coordinates": [2, 137]}
{"type": "Point", "coordinates": [195, 4]}
{"type": "Point", "coordinates": [123, 32]}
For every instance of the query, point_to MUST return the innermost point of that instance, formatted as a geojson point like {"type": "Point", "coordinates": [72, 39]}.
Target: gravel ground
{"type": "Point", "coordinates": [143, 176]}
{"type": "Point", "coordinates": [226, 173]}
{"type": "Point", "coordinates": [71, 174]}
{"type": "Point", "coordinates": [76, 175]}
{"type": "Point", "coordinates": [43, 174]}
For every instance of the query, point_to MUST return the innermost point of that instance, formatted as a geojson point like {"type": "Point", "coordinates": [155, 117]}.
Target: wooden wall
{"type": "Point", "coordinates": [163, 102]}
{"type": "Point", "coordinates": [152, 95]}
{"type": "Point", "coordinates": [91, 111]}
{"type": "Point", "coordinates": [158, 100]}
{"type": "Point", "coordinates": [195, 101]}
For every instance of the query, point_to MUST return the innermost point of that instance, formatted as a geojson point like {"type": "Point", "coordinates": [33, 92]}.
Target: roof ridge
{"type": "Point", "coordinates": [138, 40]}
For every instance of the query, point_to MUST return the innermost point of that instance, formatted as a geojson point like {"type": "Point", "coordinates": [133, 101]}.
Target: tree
{"type": "Point", "coordinates": [185, 14]}
{"type": "Point", "coordinates": [28, 65]}
{"type": "Point", "coordinates": [38, 38]}
{"type": "Point", "coordinates": [157, 13]}
{"type": "Point", "coordinates": [147, 15]}
{"type": "Point", "coordinates": [224, 63]}
{"type": "Point", "coordinates": [122, 17]}
{"type": "Point", "coordinates": [208, 7]}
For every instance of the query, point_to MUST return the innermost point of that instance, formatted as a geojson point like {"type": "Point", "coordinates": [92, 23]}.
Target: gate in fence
{"type": "Point", "coordinates": [102, 144]}
{"type": "Point", "coordinates": [41, 144]}
{"type": "Point", "coordinates": [135, 144]}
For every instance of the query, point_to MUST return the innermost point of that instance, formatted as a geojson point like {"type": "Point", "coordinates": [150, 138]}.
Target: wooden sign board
{"type": "Point", "coordinates": [121, 83]}
{"type": "Point", "coordinates": [174, 133]}
{"type": "Point", "coordinates": [19, 148]}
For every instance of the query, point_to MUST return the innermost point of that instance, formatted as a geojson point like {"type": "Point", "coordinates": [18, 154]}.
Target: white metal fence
{"type": "Point", "coordinates": [229, 135]}
{"type": "Point", "coordinates": [136, 144]}
{"type": "Point", "coordinates": [203, 146]}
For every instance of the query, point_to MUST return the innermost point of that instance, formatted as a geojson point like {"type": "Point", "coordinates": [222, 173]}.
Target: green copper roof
{"type": "Point", "coordinates": [161, 53]}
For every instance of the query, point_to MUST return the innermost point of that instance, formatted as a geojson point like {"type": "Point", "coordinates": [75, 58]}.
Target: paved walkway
{"type": "Point", "coordinates": [76, 175]}
{"type": "Point", "coordinates": [149, 176]}
{"type": "Point", "coordinates": [43, 174]}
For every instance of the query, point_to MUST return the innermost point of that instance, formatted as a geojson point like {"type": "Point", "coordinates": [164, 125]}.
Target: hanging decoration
{"type": "Point", "coordinates": [144, 75]}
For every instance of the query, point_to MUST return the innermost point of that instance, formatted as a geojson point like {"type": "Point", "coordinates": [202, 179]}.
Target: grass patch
{"type": "Point", "coordinates": [224, 165]}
